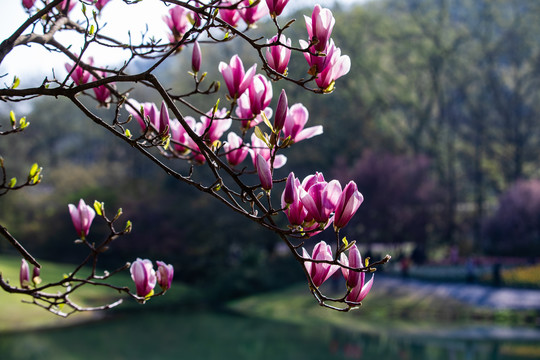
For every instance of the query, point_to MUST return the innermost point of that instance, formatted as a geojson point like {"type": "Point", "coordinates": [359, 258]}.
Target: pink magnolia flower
{"type": "Point", "coordinates": [252, 13]}
{"type": "Point", "coordinates": [290, 201]}
{"type": "Point", "coordinates": [178, 22]}
{"type": "Point", "coordinates": [243, 108]}
{"type": "Point", "coordinates": [320, 200]}
{"type": "Point", "coordinates": [163, 118]}
{"type": "Point", "coordinates": [236, 79]}
{"type": "Point", "coordinates": [100, 4]}
{"type": "Point", "coordinates": [64, 3]}
{"type": "Point", "coordinates": [317, 63]}
{"type": "Point", "coordinates": [264, 172]}
{"type": "Point", "coordinates": [355, 280]}
{"type": "Point", "coordinates": [24, 275]}
{"type": "Point", "coordinates": [28, 3]}
{"type": "Point", "coordinates": [320, 27]}
{"type": "Point", "coordinates": [82, 217]}
{"type": "Point", "coordinates": [102, 92]}
{"type": "Point", "coordinates": [319, 272]}
{"type": "Point", "coordinates": [196, 57]}
{"type": "Point", "coordinates": [259, 147]}
{"type": "Point", "coordinates": [348, 203]}
{"type": "Point", "coordinates": [294, 200]}
{"type": "Point", "coordinates": [337, 66]}
{"type": "Point", "coordinates": [278, 56]}
{"type": "Point", "coordinates": [180, 138]}
{"type": "Point", "coordinates": [297, 118]}
{"type": "Point", "coordinates": [144, 276]}
{"type": "Point", "coordinates": [199, 129]}
{"type": "Point", "coordinates": [235, 151]}
{"type": "Point", "coordinates": [79, 75]}
{"type": "Point", "coordinates": [275, 7]}
{"type": "Point", "coordinates": [158, 119]}
{"type": "Point", "coordinates": [215, 125]}
{"type": "Point", "coordinates": [149, 112]}
{"type": "Point", "coordinates": [230, 16]}
{"type": "Point", "coordinates": [165, 275]}
{"type": "Point", "coordinates": [260, 94]}
{"type": "Point", "coordinates": [313, 179]}
{"type": "Point", "coordinates": [354, 261]}
{"type": "Point", "coordinates": [243, 111]}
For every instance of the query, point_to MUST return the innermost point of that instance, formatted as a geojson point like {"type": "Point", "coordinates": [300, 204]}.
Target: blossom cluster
{"type": "Point", "coordinates": [145, 277]}
{"type": "Point", "coordinates": [142, 271]}
{"type": "Point", "coordinates": [24, 275]}
{"type": "Point", "coordinates": [230, 134]}
{"type": "Point", "coordinates": [313, 204]}
{"type": "Point", "coordinates": [66, 5]}
{"type": "Point", "coordinates": [319, 272]}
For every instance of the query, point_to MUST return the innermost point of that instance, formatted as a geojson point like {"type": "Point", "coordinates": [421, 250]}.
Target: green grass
{"type": "Point", "coordinates": [17, 315]}
{"type": "Point", "coordinates": [384, 310]}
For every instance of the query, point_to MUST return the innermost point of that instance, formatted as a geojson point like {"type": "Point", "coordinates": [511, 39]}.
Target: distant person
{"type": "Point", "coordinates": [404, 264]}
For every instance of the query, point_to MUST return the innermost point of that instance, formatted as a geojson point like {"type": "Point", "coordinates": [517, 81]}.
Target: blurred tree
{"type": "Point", "coordinates": [514, 229]}
{"type": "Point", "coordinates": [400, 198]}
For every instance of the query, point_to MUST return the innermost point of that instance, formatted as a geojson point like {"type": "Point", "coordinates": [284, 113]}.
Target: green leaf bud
{"type": "Point", "coordinates": [128, 227]}
{"type": "Point", "coordinates": [12, 118]}
{"type": "Point", "coordinates": [23, 123]}
{"type": "Point", "coordinates": [33, 170]}
{"type": "Point", "coordinates": [99, 207]}
{"type": "Point", "coordinates": [16, 82]}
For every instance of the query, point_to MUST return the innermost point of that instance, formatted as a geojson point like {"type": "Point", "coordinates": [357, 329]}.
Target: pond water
{"type": "Point", "coordinates": [208, 336]}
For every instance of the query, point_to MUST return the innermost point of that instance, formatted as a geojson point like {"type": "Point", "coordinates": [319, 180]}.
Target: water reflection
{"type": "Point", "coordinates": [362, 346]}
{"type": "Point", "coordinates": [205, 335]}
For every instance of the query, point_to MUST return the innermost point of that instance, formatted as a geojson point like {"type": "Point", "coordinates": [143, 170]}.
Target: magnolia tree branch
{"type": "Point", "coordinates": [25, 254]}
{"type": "Point", "coordinates": [8, 44]}
{"type": "Point", "coordinates": [54, 296]}
{"type": "Point", "coordinates": [311, 205]}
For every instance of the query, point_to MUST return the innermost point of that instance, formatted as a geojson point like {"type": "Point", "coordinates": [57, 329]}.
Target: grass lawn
{"type": "Point", "coordinates": [17, 315]}
{"type": "Point", "coordinates": [399, 310]}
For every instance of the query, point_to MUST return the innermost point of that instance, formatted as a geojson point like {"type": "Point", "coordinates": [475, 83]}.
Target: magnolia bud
{"type": "Point", "coordinates": [265, 175]}
{"type": "Point", "coordinates": [164, 275]}
{"type": "Point", "coordinates": [196, 58]}
{"type": "Point", "coordinates": [281, 112]}
{"type": "Point", "coordinates": [289, 194]}
{"type": "Point", "coordinates": [24, 275]}
{"type": "Point", "coordinates": [35, 275]}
